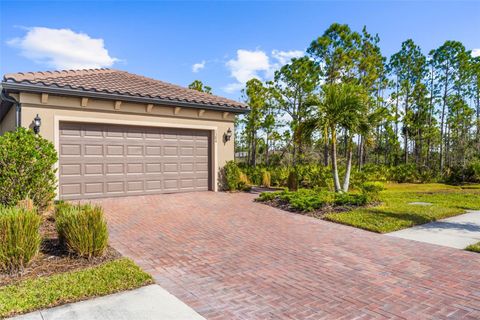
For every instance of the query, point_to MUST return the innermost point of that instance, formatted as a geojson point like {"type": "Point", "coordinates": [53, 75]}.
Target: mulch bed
{"type": "Point", "coordinates": [54, 258]}
{"type": "Point", "coordinates": [319, 213]}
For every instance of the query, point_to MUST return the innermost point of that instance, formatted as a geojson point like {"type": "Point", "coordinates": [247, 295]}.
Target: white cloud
{"type": "Point", "coordinates": [198, 66]}
{"type": "Point", "coordinates": [63, 49]}
{"type": "Point", "coordinates": [256, 64]}
{"type": "Point", "coordinates": [476, 52]}
{"type": "Point", "coordinates": [284, 57]}
{"type": "Point", "coordinates": [248, 64]}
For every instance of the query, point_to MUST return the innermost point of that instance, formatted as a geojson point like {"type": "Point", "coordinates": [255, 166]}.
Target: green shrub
{"type": "Point", "coordinates": [279, 176]}
{"type": "Point", "coordinates": [82, 228]}
{"type": "Point", "coordinates": [371, 191]}
{"type": "Point", "coordinates": [266, 179]}
{"type": "Point", "coordinates": [26, 168]}
{"type": "Point", "coordinates": [19, 237]}
{"type": "Point", "coordinates": [350, 199]}
{"type": "Point", "coordinates": [233, 178]}
{"type": "Point", "coordinates": [307, 200]}
{"type": "Point", "coordinates": [475, 168]}
{"type": "Point", "coordinates": [268, 196]}
{"type": "Point", "coordinates": [404, 173]}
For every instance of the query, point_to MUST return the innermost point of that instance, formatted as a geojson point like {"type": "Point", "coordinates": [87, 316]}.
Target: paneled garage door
{"type": "Point", "coordinates": [103, 160]}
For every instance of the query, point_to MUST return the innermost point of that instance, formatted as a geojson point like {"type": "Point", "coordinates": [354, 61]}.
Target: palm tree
{"type": "Point", "coordinates": [343, 106]}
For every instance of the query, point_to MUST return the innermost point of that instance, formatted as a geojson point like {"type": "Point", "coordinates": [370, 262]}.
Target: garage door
{"type": "Point", "coordinates": [102, 160]}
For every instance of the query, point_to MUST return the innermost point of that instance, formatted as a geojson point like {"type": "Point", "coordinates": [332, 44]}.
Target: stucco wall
{"type": "Point", "coordinates": [58, 109]}
{"type": "Point", "coordinates": [8, 123]}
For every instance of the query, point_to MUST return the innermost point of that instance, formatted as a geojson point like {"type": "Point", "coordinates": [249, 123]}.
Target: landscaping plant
{"type": "Point", "coordinates": [82, 228]}
{"type": "Point", "coordinates": [371, 190]}
{"type": "Point", "coordinates": [234, 178]}
{"type": "Point", "coordinates": [266, 179]}
{"type": "Point", "coordinates": [26, 168]}
{"type": "Point", "coordinates": [19, 237]}
{"type": "Point", "coordinates": [309, 200]}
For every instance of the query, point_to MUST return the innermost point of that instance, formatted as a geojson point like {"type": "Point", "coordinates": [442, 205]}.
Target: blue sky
{"type": "Point", "coordinates": [228, 41]}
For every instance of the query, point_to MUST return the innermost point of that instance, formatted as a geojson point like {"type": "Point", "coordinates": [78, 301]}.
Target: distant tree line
{"type": "Point", "coordinates": [345, 104]}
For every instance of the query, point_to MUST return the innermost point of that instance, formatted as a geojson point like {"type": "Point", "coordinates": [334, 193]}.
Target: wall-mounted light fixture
{"type": "Point", "coordinates": [227, 135]}
{"type": "Point", "coordinates": [37, 122]}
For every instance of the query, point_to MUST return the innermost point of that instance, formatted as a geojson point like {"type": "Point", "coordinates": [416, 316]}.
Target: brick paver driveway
{"type": "Point", "coordinates": [231, 258]}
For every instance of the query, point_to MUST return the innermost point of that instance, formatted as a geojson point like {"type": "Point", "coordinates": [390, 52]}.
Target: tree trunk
{"type": "Point", "coordinates": [325, 147]}
{"type": "Point", "coordinates": [336, 180]}
{"type": "Point", "coordinates": [360, 152]}
{"type": "Point", "coordinates": [346, 180]}
{"type": "Point", "coordinates": [254, 150]}
{"type": "Point", "coordinates": [442, 123]}
{"type": "Point", "coordinates": [266, 150]}
{"type": "Point", "coordinates": [405, 129]}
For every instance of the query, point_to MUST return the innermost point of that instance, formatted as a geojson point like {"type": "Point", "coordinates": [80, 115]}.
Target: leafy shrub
{"type": "Point", "coordinates": [234, 178]}
{"type": "Point", "coordinates": [350, 199]}
{"type": "Point", "coordinates": [315, 176]}
{"type": "Point", "coordinates": [244, 183]}
{"type": "Point", "coordinates": [307, 200]}
{"type": "Point", "coordinates": [19, 237]}
{"type": "Point", "coordinates": [268, 196]}
{"type": "Point", "coordinates": [266, 179]}
{"type": "Point", "coordinates": [460, 174]}
{"type": "Point", "coordinates": [404, 173]}
{"type": "Point", "coordinates": [82, 228]}
{"type": "Point", "coordinates": [475, 168]}
{"type": "Point", "coordinates": [371, 191]}
{"type": "Point", "coordinates": [279, 176]}
{"type": "Point", "coordinates": [26, 168]}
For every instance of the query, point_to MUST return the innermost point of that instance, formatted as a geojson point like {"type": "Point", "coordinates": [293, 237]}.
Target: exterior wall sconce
{"type": "Point", "coordinates": [227, 135]}
{"type": "Point", "coordinates": [37, 122]}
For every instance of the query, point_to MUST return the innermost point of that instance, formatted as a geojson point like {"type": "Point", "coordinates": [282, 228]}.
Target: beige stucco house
{"type": "Point", "coordinates": [120, 134]}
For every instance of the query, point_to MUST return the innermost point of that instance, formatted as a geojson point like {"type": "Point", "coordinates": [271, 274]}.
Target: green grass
{"type": "Point", "coordinates": [107, 278]}
{"type": "Point", "coordinates": [474, 247]}
{"type": "Point", "coordinates": [395, 212]}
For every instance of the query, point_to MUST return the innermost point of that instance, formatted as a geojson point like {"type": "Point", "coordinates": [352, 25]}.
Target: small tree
{"type": "Point", "coordinates": [199, 86]}
{"type": "Point", "coordinates": [343, 106]}
{"type": "Point", "coordinates": [26, 168]}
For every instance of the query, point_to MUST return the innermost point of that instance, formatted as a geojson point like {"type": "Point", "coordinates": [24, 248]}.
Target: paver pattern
{"type": "Point", "coordinates": [231, 258]}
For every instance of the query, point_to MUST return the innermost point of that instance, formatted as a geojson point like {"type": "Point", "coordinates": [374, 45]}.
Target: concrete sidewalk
{"type": "Point", "coordinates": [147, 303]}
{"type": "Point", "coordinates": [455, 232]}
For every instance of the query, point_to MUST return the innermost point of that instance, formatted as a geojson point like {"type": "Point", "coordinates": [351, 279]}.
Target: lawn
{"type": "Point", "coordinates": [395, 212]}
{"type": "Point", "coordinates": [109, 277]}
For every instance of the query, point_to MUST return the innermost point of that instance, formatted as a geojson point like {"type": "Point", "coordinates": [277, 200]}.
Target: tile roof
{"type": "Point", "coordinates": [122, 83]}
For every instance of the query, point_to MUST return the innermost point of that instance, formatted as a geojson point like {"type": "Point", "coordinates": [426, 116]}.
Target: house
{"type": "Point", "coordinates": [120, 134]}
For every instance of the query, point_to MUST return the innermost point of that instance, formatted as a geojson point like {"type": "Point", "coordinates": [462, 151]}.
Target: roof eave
{"type": "Point", "coordinates": [27, 87]}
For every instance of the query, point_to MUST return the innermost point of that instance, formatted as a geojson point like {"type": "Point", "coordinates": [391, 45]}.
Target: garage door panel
{"type": "Point", "coordinates": [153, 151]}
{"type": "Point", "coordinates": [115, 168]}
{"type": "Point", "coordinates": [94, 188]}
{"type": "Point", "coordinates": [100, 160]}
{"type": "Point", "coordinates": [93, 132]}
{"type": "Point", "coordinates": [117, 187]}
{"type": "Point", "coordinates": [71, 169]}
{"type": "Point", "coordinates": [114, 150]}
{"type": "Point", "coordinates": [94, 169]}
{"type": "Point", "coordinates": [71, 190]}
{"type": "Point", "coordinates": [70, 149]}
{"type": "Point", "coordinates": [93, 149]}
{"type": "Point", "coordinates": [72, 131]}
{"type": "Point", "coordinates": [154, 185]}
{"type": "Point", "coordinates": [133, 150]}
